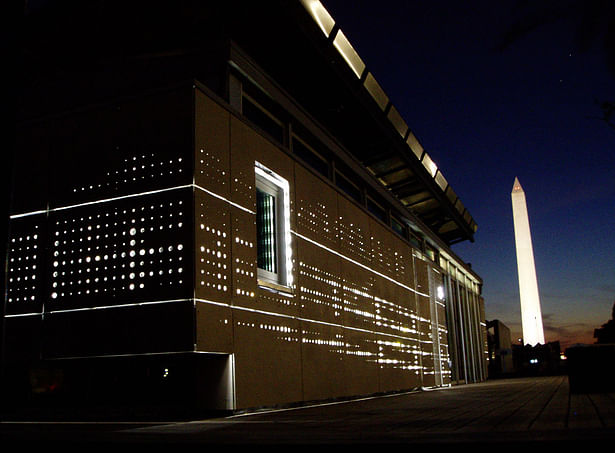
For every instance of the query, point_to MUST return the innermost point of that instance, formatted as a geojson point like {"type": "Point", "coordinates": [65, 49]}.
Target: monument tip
{"type": "Point", "coordinates": [517, 186]}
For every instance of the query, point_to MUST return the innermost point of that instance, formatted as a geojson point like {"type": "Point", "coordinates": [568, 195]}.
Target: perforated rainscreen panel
{"type": "Point", "coordinates": [130, 250]}
{"type": "Point", "coordinates": [26, 282]}
{"type": "Point", "coordinates": [101, 236]}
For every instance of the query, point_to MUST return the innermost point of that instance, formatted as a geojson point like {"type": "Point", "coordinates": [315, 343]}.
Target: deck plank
{"type": "Point", "coordinates": [517, 411]}
{"type": "Point", "coordinates": [529, 406]}
{"type": "Point", "coordinates": [605, 406]}
{"type": "Point", "coordinates": [497, 417]}
{"type": "Point", "coordinates": [555, 414]}
{"type": "Point", "coordinates": [583, 414]}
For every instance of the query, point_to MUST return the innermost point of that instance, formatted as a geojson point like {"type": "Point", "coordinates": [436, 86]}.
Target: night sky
{"type": "Point", "coordinates": [487, 113]}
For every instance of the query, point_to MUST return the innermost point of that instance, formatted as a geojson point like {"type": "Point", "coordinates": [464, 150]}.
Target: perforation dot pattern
{"type": "Point", "coordinates": [25, 280]}
{"type": "Point", "coordinates": [134, 172]}
{"type": "Point", "coordinates": [118, 252]}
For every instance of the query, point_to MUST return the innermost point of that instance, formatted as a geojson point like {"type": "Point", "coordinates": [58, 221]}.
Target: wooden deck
{"type": "Point", "coordinates": [511, 411]}
{"type": "Point", "coordinates": [538, 409]}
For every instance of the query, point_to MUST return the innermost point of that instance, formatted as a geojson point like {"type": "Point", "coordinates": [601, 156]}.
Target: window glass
{"type": "Point", "coordinates": [272, 229]}
{"type": "Point", "coordinates": [398, 227]}
{"type": "Point", "coordinates": [262, 119]}
{"type": "Point", "coordinates": [414, 240]}
{"type": "Point", "coordinates": [431, 253]}
{"type": "Point", "coordinates": [266, 231]}
{"type": "Point", "coordinates": [376, 209]}
{"type": "Point", "coordinates": [310, 157]}
{"type": "Point", "coordinates": [348, 188]}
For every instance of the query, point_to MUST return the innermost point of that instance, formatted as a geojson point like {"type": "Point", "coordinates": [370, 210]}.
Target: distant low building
{"type": "Point", "coordinates": [539, 360]}
{"type": "Point", "coordinates": [500, 349]}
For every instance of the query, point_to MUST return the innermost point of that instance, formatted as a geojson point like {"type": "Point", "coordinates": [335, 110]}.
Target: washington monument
{"type": "Point", "coordinates": [531, 318]}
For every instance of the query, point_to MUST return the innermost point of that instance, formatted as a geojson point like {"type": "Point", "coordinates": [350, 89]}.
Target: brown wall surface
{"type": "Point", "coordinates": [354, 321]}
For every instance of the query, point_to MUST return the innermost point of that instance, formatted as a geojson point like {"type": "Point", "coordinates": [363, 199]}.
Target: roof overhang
{"type": "Point", "coordinates": [354, 105]}
{"type": "Point", "coordinates": [299, 44]}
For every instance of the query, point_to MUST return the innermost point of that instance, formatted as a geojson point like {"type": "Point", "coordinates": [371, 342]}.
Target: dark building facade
{"type": "Point", "coordinates": [218, 207]}
{"type": "Point", "coordinates": [500, 360]}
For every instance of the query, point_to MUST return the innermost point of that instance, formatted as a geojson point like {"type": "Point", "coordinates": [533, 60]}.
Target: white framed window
{"type": "Point", "coordinates": [273, 246]}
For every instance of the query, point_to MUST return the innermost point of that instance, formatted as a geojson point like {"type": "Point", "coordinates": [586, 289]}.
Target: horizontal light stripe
{"type": "Point", "coordinates": [23, 315]}
{"type": "Point", "coordinates": [314, 321]}
{"type": "Point", "coordinates": [219, 304]}
{"type": "Point", "coordinates": [134, 195]}
{"type": "Point", "coordinates": [105, 307]}
{"type": "Point", "coordinates": [220, 197]}
{"type": "Point", "coordinates": [99, 307]}
{"type": "Point", "coordinates": [104, 200]}
{"type": "Point", "coordinates": [26, 214]}
{"type": "Point", "coordinates": [324, 247]}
